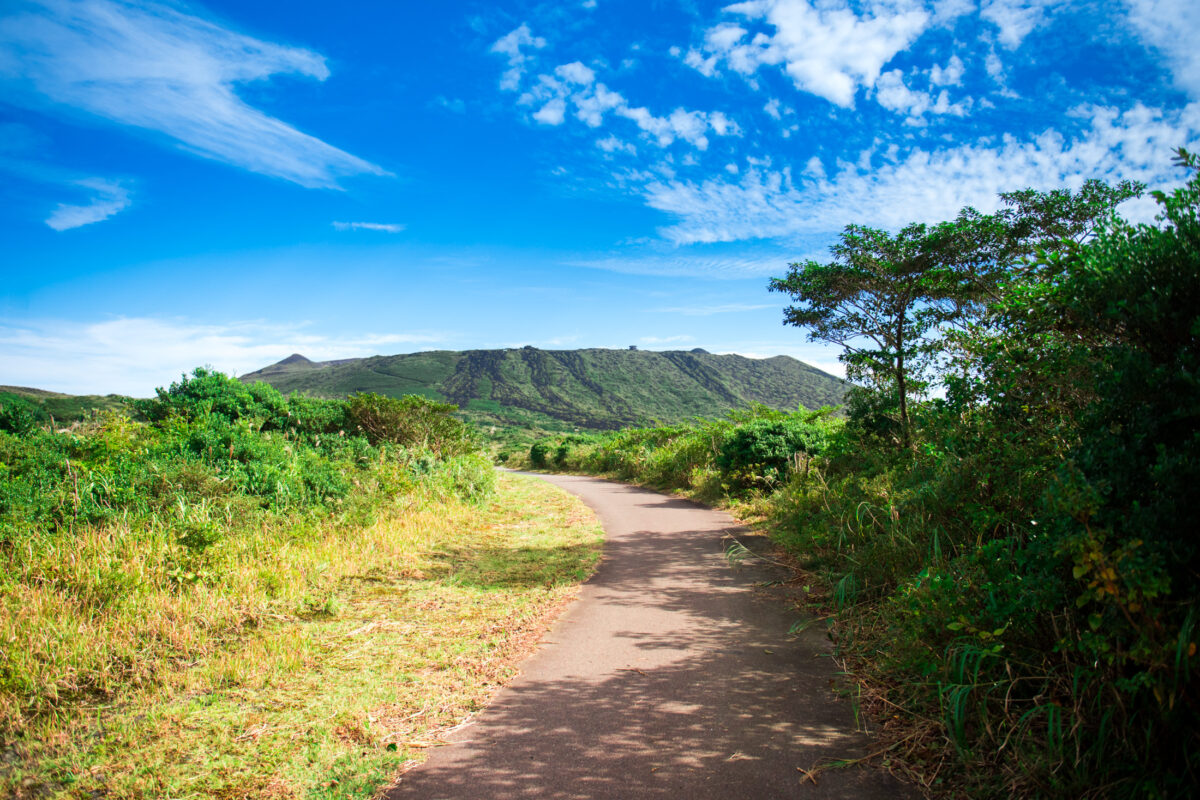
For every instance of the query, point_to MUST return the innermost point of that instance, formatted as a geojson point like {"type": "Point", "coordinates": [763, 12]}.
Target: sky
{"type": "Point", "coordinates": [226, 183]}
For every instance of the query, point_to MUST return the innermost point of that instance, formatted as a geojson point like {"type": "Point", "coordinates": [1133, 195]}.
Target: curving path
{"type": "Point", "coordinates": [672, 676]}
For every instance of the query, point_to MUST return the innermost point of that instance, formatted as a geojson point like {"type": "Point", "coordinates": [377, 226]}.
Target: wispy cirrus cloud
{"type": "Point", "coordinates": [107, 198]}
{"type": "Point", "coordinates": [383, 227]}
{"type": "Point", "coordinates": [134, 355]}
{"type": "Point", "coordinates": [153, 66]}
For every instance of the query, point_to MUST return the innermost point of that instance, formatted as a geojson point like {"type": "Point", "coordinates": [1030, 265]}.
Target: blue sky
{"type": "Point", "coordinates": [226, 183]}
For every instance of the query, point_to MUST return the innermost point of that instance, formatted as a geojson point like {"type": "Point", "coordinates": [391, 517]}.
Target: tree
{"type": "Point", "coordinates": [888, 299]}
{"type": "Point", "coordinates": [882, 297]}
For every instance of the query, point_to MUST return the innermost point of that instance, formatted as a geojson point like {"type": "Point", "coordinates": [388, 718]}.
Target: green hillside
{"type": "Point", "coordinates": [62, 408]}
{"type": "Point", "coordinates": [598, 389]}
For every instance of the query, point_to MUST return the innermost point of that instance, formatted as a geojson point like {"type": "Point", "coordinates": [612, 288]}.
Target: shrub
{"type": "Point", "coordinates": [413, 421]}
{"type": "Point", "coordinates": [17, 415]}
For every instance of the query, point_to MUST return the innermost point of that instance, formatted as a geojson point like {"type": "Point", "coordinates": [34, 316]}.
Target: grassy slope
{"type": "Point", "coordinates": [63, 407]}
{"type": "Point", "coordinates": [419, 618]}
{"type": "Point", "coordinates": [599, 389]}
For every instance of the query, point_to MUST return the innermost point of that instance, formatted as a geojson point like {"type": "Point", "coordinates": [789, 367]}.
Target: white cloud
{"type": "Point", "coordinates": [950, 75]}
{"type": "Point", "coordinates": [385, 227]}
{"type": "Point", "coordinates": [575, 85]}
{"type": "Point", "coordinates": [152, 66]}
{"type": "Point", "coordinates": [551, 113]}
{"type": "Point", "coordinates": [576, 72]}
{"type": "Point", "coordinates": [510, 45]}
{"type": "Point", "coordinates": [946, 11]}
{"type": "Point", "coordinates": [108, 198]}
{"type": "Point", "coordinates": [994, 67]}
{"type": "Point", "coordinates": [824, 47]}
{"type": "Point", "coordinates": [691, 126]}
{"type": "Point", "coordinates": [923, 185]}
{"type": "Point", "coordinates": [611, 144]}
{"type": "Point", "coordinates": [1014, 19]}
{"type": "Point", "coordinates": [133, 356]}
{"type": "Point", "coordinates": [593, 103]}
{"type": "Point", "coordinates": [451, 104]}
{"type": "Point", "coordinates": [1173, 28]}
{"type": "Point", "coordinates": [893, 93]}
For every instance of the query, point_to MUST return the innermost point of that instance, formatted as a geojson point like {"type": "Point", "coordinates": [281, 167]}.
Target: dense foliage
{"type": "Point", "coordinates": [188, 492]}
{"type": "Point", "coordinates": [1024, 572]}
{"type": "Point", "coordinates": [1013, 565]}
{"type": "Point", "coordinates": [753, 448]}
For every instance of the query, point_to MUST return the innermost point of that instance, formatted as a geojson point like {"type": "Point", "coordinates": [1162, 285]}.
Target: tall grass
{"type": "Point", "coordinates": [193, 589]}
{"type": "Point", "coordinates": [335, 652]}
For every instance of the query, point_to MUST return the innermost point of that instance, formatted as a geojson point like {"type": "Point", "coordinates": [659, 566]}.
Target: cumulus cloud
{"type": "Point", "coordinates": [385, 227]}
{"type": "Point", "coordinates": [1173, 28]}
{"type": "Point", "coordinates": [152, 66]}
{"type": "Point", "coordinates": [611, 144]}
{"type": "Point", "coordinates": [510, 45]}
{"type": "Point", "coordinates": [949, 75]}
{"type": "Point", "coordinates": [1014, 19]}
{"type": "Point", "coordinates": [107, 198]}
{"type": "Point", "coordinates": [552, 113]}
{"type": "Point", "coordinates": [894, 94]}
{"type": "Point", "coordinates": [574, 87]}
{"type": "Point", "coordinates": [922, 185]}
{"type": "Point", "coordinates": [134, 355]}
{"type": "Point", "coordinates": [825, 48]}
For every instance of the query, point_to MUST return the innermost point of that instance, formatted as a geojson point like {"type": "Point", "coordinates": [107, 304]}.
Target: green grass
{"type": "Point", "coordinates": [321, 664]}
{"type": "Point", "coordinates": [62, 408]}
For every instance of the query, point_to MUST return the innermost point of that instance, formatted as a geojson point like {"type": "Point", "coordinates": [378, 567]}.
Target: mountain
{"type": "Point", "coordinates": [599, 389]}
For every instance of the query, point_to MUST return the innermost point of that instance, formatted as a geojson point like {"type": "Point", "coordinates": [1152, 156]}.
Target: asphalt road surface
{"type": "Point", "coordinates": [672, 676]}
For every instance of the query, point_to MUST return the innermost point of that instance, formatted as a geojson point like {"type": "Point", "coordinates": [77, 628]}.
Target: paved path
{"type": "Point", "coordinates": [672, 676]}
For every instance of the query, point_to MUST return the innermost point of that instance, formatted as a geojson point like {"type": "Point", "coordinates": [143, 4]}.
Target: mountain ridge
{"type": "Point", "coordinates": [590, 388]}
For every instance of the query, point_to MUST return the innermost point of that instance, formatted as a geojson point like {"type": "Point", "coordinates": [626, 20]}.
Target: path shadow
{"type": "Point", "coordinates": [676, 677]}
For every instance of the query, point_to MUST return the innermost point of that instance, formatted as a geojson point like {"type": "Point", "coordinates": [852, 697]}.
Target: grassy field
{"type": "Point", "coordinates": [321, 669]}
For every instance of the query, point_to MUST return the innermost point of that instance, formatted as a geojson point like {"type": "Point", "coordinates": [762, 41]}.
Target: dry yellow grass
{"type": "Point", "coordinates": [321, 663]}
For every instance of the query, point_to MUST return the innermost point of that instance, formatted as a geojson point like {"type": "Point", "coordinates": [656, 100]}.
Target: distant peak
{"type": "Point", "coordinates": [295, 358]}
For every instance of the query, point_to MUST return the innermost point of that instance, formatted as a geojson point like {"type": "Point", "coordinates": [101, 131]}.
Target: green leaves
{"type": "Point", "coordinates": [412, 421]}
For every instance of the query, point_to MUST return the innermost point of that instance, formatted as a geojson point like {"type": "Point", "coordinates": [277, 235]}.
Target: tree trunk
{"type": "Point", "coordinates": [901, 385]}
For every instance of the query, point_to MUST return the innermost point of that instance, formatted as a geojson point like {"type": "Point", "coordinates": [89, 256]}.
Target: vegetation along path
{"type": "Point", "coordinates": [673, 675]}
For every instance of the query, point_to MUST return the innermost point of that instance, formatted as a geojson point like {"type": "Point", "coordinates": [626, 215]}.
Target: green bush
{"type": "Point", "coordinates": [17, 415]}
{"type": "Point", "coordinates": [769, 447]}
{"type": "Point", "coordinates": [413, 421]}
{"type": "Point", "coordinates": [212, 443]}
